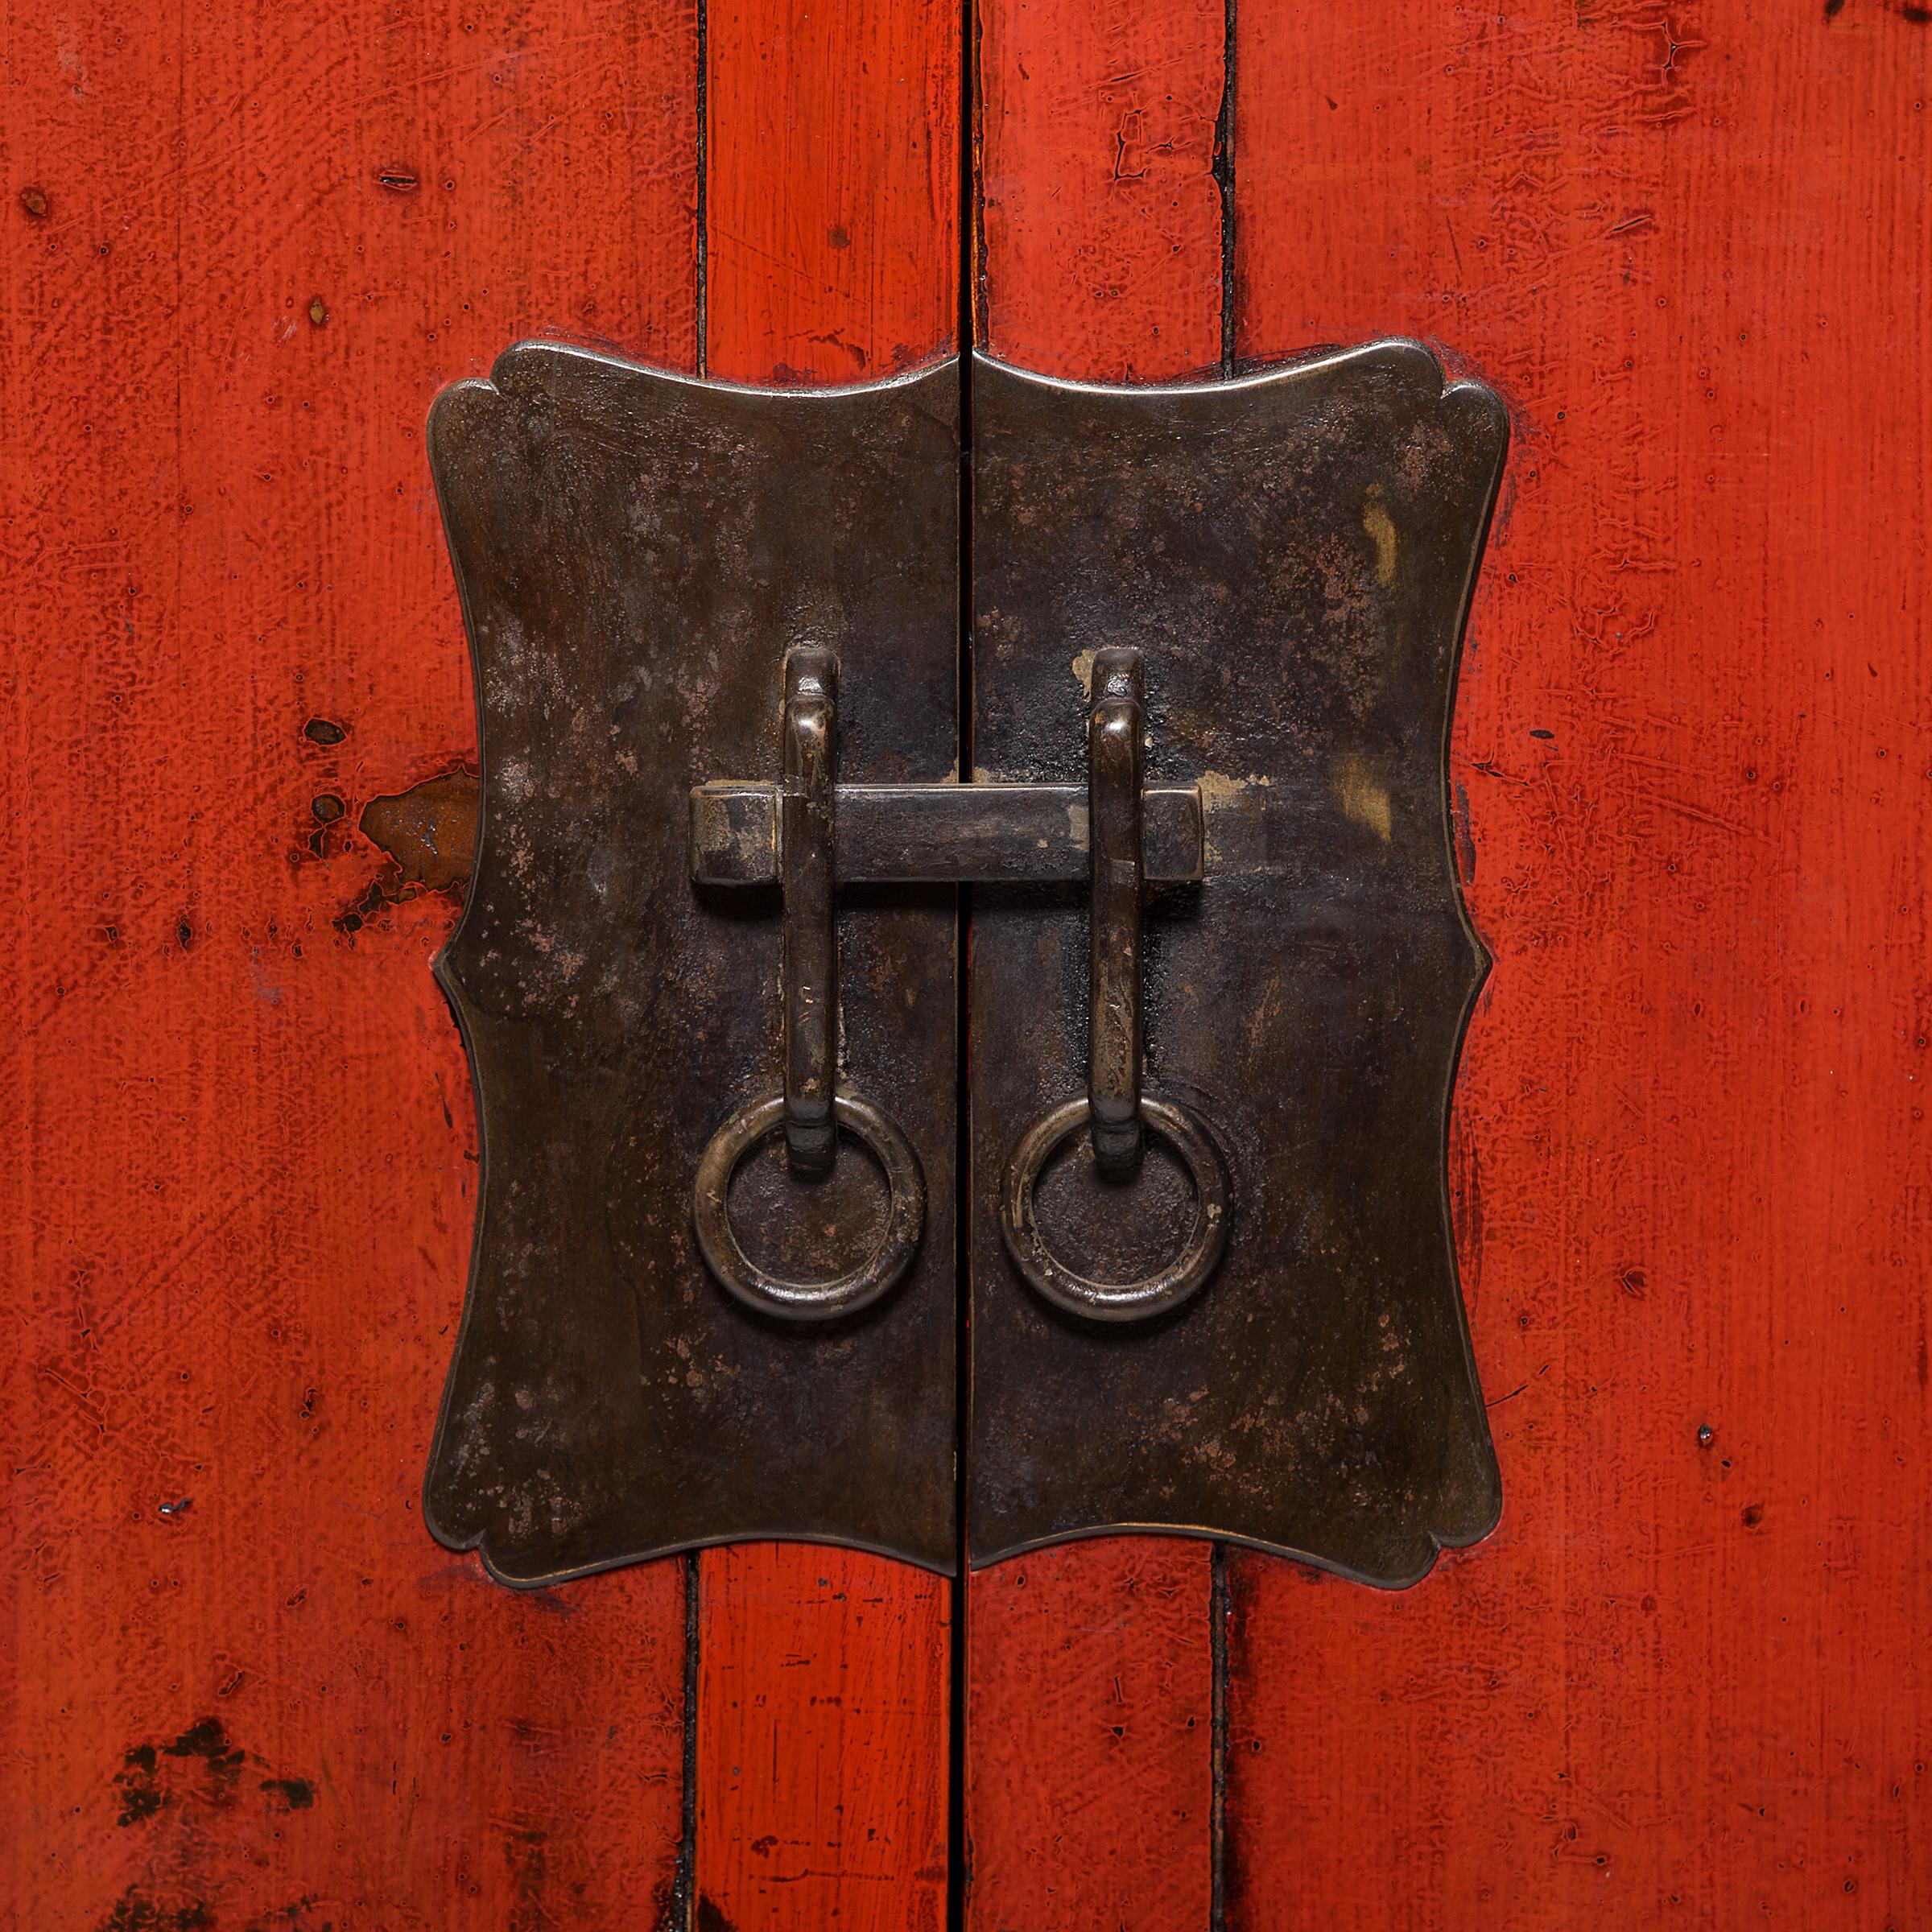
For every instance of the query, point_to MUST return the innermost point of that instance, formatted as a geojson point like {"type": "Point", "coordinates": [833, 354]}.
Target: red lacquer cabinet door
{"type": "Point", "coordinates": [246, 246]}
{"type": "Point", "coordinates": [1682, 1683]}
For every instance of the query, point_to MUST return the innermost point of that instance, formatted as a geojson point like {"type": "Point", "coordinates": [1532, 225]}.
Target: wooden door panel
{"type": "Point", "coordinates": [244, 1688]}
{"type": "Point", "coordinates": [240, 265]}
{"type": "Point", "coordinates": [1681, 1684]}
{"type": "Point", "coordinates": [1099, 207]}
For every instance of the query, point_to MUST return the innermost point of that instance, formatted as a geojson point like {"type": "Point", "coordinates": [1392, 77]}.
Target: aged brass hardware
{"type": "Point", "coordinates": [1116, 1112]}
{"type": "Point", "coordinates": [636, 554]}
{"type": "Point", "coordinates": [1293, 553]}
{"type": "Point", "coordinates": [902, 835]}
{"type": "Point", "coordinates": [1220, 965]}
{"type": "Point", "coordinates": [813, 1097]}
{"type": "Point", "coordinates": [728, 843]}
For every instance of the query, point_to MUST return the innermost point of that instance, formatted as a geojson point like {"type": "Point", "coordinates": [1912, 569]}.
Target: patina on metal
{"type": "Point", "coordinates": [1219, 983]}
{"type": "Point", "coordinates": [813, 1102]}
{"type": "Point", "coordinates": [884, 835]}
{"type": "Point", "coordinates": [1116, 1113]}
{"type": "Point", "coordinates": [1115, 727]}
{"type": "Point", "coordinates": [637, 555]}
{"type": "Point", "coordinates": [1291, 556]}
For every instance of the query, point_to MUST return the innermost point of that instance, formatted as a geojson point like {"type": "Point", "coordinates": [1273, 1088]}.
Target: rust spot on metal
{"type": "Point", "coordinates": [318, 311]}
{"type": "Point", "coordinates": [1364, 796]}
{"type": "Point", "coordinates": [295, 1793]}
{"type": "Point", "coordinates": [324, 731]}
{"type": "Point", "coordinates": [33, 200]}
{"type": "Point", "coordinates": [1380, 528]}
{"type": "Point", "coordinates": [327, 807]}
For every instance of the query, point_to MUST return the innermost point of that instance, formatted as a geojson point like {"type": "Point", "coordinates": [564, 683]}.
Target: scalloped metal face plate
{"type": "Point", "coordinates": [635, 551]}
{"type": "Point", "coordinates": [1294, 554]}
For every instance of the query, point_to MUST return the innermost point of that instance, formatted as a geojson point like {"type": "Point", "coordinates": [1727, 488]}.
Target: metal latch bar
{"type": "Point", "coordinates": [1006, 835]}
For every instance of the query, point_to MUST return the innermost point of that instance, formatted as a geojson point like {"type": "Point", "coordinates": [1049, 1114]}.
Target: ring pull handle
{"type": "Point", "coordinates": [819, 1300]}
{"type": "Point", "coordinates": [1117, 1113]}
{"type": "Point", "coordinates": [814, 1104]}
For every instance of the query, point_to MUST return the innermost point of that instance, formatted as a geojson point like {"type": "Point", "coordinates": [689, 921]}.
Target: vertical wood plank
{"type": "Point", "coordinates": [831, 225]}
{"type": "Point", "coordinates": [1100, 212]}
{"type": "Point", "coordinates": [1686, 1682]}
{"type": "Point", "coordinates": [1089, 1735]}
{"type": "Point", "coordinates": [243, 248]}
{"type": "Point", "coordinates": [822, 1740]}
{"type": "Point", "coordinates": [1090, 1693]}
{"type": "Point", "coordinates": [833, 188]}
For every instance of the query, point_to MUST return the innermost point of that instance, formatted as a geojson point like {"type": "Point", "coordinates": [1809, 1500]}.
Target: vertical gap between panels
{"type": "Point", "coordinates": [1218, 1612]}
{"type": "Point", "coordinates": [1224, 175]}
{"type": "Point", "coordinates": [680, 1914]}
{"type": "Point", "coordinates": [1218, 1607]}
{"type": "Point", "coordinates": [684, 1888]}
{"type": "Point", "coordinates": [960, 1850]}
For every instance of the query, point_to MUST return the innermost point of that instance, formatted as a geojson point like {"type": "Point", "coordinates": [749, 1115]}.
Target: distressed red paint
{"type": "Point", "coordinates": [236, 1203]}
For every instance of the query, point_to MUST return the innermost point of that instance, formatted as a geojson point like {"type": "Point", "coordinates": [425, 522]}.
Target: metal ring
{"type": "Point", "coordinates": [808, 1300]}
{"type": "Point", "coordinates": [1105, 1301]}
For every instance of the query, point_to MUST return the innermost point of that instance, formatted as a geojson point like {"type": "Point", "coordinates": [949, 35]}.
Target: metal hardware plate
{"type": "Point", "coordinates": [1293, 553]}
{"type": "Point", "coordinates": [706, 974]}
{"type": "Point", "coordinates": [635, 554]}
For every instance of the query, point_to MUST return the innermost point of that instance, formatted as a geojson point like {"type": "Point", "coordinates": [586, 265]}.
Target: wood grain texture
{"type": "Point", "coordinates": [1101, 216]}
{"type": "Point", "coordinates": [821, 1741]}
{"type": "Point", "coordinates": [833, 187]}
{"type": "Point", "coordinates": [1090, 1689]}
{"type": "Point", "coordinates": [243, 249]}
{"type": "Point", "coordinates": [1089, 1723]}
{"type": "Point", "coordinates": [1686, 1683]}
{"type": "Point", "coordinates": [832, 195]}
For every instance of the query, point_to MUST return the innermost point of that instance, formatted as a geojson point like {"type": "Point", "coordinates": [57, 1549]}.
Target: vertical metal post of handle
{"type": "Point", "coordinates": [812, 1106]}
{"type": "Point", "coordinates": [1116, 1113]}
{"type": "Point", "coordinates": [810, 966]}
{"type": "Point", "coordinates": [1115, 731]}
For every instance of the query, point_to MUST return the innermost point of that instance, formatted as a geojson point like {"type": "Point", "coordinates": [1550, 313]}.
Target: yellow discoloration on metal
{"type": "Point", "coordinates": [1364, 797]}
{"type": "Point", "coordinates": [1380, 529]}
